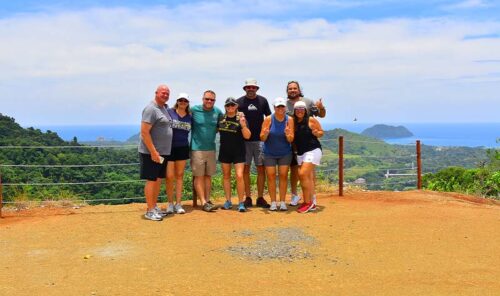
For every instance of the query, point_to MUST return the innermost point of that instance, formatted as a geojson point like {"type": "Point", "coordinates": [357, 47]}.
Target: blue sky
{"type": "Point", "coordinates": [98, 62]}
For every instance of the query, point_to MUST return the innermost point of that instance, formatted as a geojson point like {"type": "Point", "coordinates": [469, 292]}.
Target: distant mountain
{"type": "Point", "coordinates": [382, 131]}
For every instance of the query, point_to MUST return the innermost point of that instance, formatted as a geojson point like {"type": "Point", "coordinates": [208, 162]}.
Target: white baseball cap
{"type": "Point", "coordinates": [183, 96]}
{"type": "Point", "coordinates": [279, 101]}
{"type": "Point", "coordinates": [299, 104]}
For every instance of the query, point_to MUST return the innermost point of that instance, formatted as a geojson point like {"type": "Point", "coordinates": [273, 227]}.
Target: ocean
{"type": "Point", "coordinates": [434, 134]}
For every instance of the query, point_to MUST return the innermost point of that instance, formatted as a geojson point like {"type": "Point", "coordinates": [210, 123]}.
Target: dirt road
{"type": "Point", "coordinates": [366, 243]}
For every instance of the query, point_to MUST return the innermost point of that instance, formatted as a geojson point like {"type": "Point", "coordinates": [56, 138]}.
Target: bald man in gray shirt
{"type": "Point", "coordinates": [154, 147]}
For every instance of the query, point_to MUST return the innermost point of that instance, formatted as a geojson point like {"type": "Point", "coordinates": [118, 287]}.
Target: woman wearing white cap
{"type": "Point", "coordinates": [277, 134]}
{"type": "Point", "coordinates": [181, 125]}
{"type": "Point", "coordinates": [307, 132]}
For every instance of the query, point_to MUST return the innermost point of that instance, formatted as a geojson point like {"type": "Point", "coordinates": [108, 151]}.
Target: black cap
{"type": "Point", "coordinates": [230, 101]}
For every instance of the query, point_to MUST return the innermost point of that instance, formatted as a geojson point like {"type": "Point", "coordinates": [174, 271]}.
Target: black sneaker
{"type": "Point", "coordinates": [261, 202]}
{"type": "Point", "coordinates": [248, 202]}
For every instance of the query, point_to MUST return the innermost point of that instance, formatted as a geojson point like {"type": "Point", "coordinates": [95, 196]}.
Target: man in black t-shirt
{"type": "Point", "coordinates": [255, 108]}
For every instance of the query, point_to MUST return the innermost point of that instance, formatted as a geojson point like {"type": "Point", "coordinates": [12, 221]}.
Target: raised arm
{"type": "Point", "coordinates": [244, 128]}
{"type": "Point", "coordinates": [316, 128]}
{"type": "Point", "coordinates": [290, 129]}
{"type": "Point", "coordinates": [321, 108]}
{"type": "Point", "coordinates": [266, 127]}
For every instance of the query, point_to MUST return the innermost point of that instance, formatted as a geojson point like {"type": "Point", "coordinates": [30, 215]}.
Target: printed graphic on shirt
{"type": "Point", "coordinates": [252, 107]}
{"type": "Point", "coordinates": [181, 125]}
{"type": "Point", "coordinates": [229, 126]}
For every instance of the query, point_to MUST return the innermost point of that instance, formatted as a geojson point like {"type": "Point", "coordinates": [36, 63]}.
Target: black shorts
{"type": "Point", "coordinates": [151, 170]}
{"type": "Point", "coordinates": [235, 156]}
{"type": "Point", "coordinates": [178, 153]}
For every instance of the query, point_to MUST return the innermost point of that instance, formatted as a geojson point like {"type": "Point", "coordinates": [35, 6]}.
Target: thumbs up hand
{"type": "Point", "coordinates": [319, 104]}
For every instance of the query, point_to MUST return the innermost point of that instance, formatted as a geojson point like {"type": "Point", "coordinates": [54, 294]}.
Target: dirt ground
{"type": "Point", "coordinates": [365, 243]}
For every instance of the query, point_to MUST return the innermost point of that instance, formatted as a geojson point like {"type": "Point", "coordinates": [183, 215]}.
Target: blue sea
{"type": "Point", "coordinates": [435, 134]}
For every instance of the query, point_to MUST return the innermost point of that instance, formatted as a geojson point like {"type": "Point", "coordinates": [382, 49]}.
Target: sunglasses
{"type": "Point", "coordinates": [182, 101]}
{"type": "Point", "coordinates": [251, 87]}
{"type": "Point", "coordinates": [209, 99]}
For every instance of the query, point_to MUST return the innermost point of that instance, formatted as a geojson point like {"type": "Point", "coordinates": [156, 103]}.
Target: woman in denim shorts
{"type": "Point", "coordinates": [277, 134]}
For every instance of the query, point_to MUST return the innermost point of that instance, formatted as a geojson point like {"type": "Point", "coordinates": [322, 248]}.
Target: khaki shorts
{"type": "Point", "coordinates": [203, 163]}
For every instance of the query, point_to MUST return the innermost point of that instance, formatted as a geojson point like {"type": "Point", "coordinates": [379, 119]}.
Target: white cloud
{"type": "Point", "coordinates": [102, 65]}
{"type": "Point", "coordinates": [468, 4]}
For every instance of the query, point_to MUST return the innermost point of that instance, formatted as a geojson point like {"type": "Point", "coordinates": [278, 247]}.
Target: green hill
{"type": "Point", "coordinates": [364, 157]}
{"type": "Point", "coordinates": [11, 133]}
{"type": "Point", "coordinates": [16, 166]}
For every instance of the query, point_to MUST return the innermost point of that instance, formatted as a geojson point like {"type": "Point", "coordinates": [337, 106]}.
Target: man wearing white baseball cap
{"type": "Point", "coordinates": [255, 108]}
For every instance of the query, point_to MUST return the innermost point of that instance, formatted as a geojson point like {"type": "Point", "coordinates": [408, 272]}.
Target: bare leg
{"type": "Point", "coordinates": [180, 165]}
{"type": "Point", "coordinates": [246, 176]}
{"type": "Point", "coordinates": [199, 185]}
{"type": "Point", "coordinates": [261, 177]}
{"type": "Point", "coordinates": [226, 181]}
{"type": "Point", "coordinates": [151, 191]}
{"type": "Point", "coordinates": [314, 181]}
{"type": "Point", "coordinates": [208, 187]}
{"type": "Point", "coordinates": [283, 175]}
{"type": "Point", "coordinates": [271, 182]}
{"type": "Point", "coordinates": [240, 180]}
{"type": "Point", "coordinates": [306, 180]}
{"type": "Point", "coordinates": [170, 181]}
{"type": "Point", "coordinates": [294, 178]}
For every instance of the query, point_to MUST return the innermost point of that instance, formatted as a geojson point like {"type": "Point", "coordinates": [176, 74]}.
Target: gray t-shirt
{"type": "Point", "coordinates": [161, 130]}
{"type": "Point", "coordinates": [312, 110]}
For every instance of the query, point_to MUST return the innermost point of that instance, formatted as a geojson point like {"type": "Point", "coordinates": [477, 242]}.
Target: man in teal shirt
{"type": "Point", "coordinates": [203, 131]}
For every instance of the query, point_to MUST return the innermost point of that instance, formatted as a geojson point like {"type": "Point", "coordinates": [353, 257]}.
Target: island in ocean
{"type": "Point", "coordinates": [382, 131]}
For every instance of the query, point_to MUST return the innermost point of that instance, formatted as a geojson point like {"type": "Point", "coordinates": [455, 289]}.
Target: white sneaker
{"type": "Point", "coordinates": [153, 216]}
{"type": "Point", "coordinates": [178, 209]}
{"type": "Point", "coordinates": [295, 200]}
{"type": "Point", "coordinates": [283, 206]}
{"type": "Point", "coordinates": [273, 206]}
{"type": "Point", "coordinates": [170, 209]}
{"type": "Point", "coordinates": [159, 212]}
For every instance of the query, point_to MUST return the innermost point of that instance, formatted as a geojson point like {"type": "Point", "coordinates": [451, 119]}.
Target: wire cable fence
{"type": "Point", "coordinates": [348, 162]}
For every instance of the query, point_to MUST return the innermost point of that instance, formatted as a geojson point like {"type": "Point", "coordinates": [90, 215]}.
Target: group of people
{"type": "Point", "coordinates": [276, 142]}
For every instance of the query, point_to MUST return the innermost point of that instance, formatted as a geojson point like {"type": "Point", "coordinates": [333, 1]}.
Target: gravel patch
{"type": "Point", "coordinates": [284, 244]}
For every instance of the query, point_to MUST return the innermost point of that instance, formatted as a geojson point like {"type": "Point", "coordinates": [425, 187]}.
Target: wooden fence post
{"type": "Point", "coordinates": [341, 166]}
{"type": "Point", "coordinates": [419, 166]}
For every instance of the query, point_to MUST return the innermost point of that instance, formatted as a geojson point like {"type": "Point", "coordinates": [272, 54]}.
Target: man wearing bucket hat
{"type": "Point", "coordinates": [255, 108]}
{"type": "Point", "coordinates": [294, 94]}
